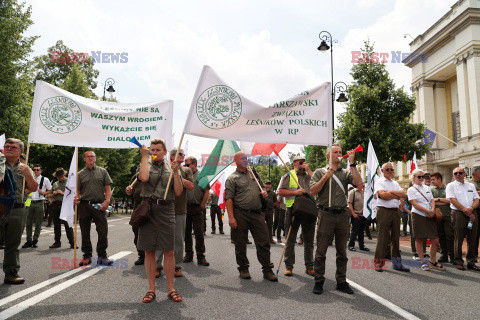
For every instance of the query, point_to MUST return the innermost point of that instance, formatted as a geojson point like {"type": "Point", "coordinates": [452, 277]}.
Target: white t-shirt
{"type": "Point", "coordinates": [465, 193]}
{"type": "Point", "coordinates": [387, 185]}
{"type": "Point", "coordinates": [46, 186]}
{"type": "Point", "coordinates": [413, 194]}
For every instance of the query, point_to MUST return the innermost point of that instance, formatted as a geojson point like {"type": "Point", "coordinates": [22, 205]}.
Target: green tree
{"type": "Point", "coordinates": [15, 71]}
{"type": "Point", "coordinates": [378, 111]}
{"type": "Point", "coordinates": [55, 66]}
{"type": "Point", "coordinates": [317, 157]}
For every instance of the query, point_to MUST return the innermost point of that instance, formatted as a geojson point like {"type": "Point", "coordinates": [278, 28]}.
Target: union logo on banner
{"type": "Point", "coordinates": [60, 114]}
{"type": "Point", "coordinates": [219, 107]}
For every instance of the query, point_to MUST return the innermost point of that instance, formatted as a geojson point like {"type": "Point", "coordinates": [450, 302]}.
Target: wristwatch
{"type": "Point", "coordinates": [353, 164]}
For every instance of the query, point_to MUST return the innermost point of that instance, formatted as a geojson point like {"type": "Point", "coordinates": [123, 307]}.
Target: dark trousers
{"type": "Point", "coordinates": [446, 236]}
{"type": "Point", "coordinates": [279, 222]}
{"type": "Point", "coordinates": [367, 228]}
{"type": "Point", "coordinates": [358, 228]}
{"type": "Point", "coordinates": [269, 221]}
{"type": "Point", "coordinates": [204, 213]}
{"type": "Point", "coordinates": [332, 225]}
{"type": "Point", "coordinates": [405, 222]}
{"type": "Point", "coordinates": [388, 225]}
{"type": "Point", "coordinates": [55, 209]}
{"type": "Point", "coordinates": [86, 213]}
{"type": "Point", "coordinates": [478, 234]}
{"type": "Point", "coordinates": [195, 222]}
{"type": "Point", "coordinates": [255, 222]}
{"type": "Point", "coordinates": [215, 211]}
{"type": "Point", "coordinates": [308, 230]}
{"type": "Point", "coordinates": [460, 221]}
{"type": "Point", "coordinates": [11, 227]}
{"type": "Point", "coordinates": [141, 253]}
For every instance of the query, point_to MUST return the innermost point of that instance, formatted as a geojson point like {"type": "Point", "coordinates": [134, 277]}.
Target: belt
{"type": "Point", "coordinates": [19, 205]}
{"type": "Point", "coordinates": [388, 208]}
{"type": "Point", "coordinates": [90, 202]}
{"type": "Point", "coordinates": [332, 210]}
{"type": "Point", "coordinates": [37, 201]}
{"type": "Point", "coordinates": [250, 211]}
{"type": "Point", "coordinates": [158, 201]}
{"type": "Point", "coordinates": [193, 205]}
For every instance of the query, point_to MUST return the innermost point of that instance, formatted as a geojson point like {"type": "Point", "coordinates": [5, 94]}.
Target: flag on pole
{"type": "Point", "coordinates": [370, 203]}
{"type": "Point", "coordinates": [67, 212]}
{"type": "Point", "coordinates": [218, 111]}
{"type": "Point", "coordinates": [414, 165]}
{"type": "Point", "coordinates": [219, 188]}
{"type": "Point", "coordinates": [266, 149]}
{"type": "Point", "coordinates": [429, 137]}
{"type": "Point", "coordinates": [220, 158]}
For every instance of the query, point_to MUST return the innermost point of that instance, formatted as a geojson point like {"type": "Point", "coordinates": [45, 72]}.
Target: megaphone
{"type": "Point", "coordinates": [135, 141]}
{"type": "Point", "coordinates": [357, 149]}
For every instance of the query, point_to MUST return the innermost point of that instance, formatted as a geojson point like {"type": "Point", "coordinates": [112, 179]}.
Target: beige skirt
{"type": "Point", "coordinates": [159, 232]}
{"type": "Point", "coordinates": [423, 227]}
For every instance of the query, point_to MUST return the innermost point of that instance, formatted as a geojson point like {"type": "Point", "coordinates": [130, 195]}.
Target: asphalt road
{"type": "Point", "coordinates": [53, 291]}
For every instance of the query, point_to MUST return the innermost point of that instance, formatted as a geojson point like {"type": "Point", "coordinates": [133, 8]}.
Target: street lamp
{"type": "Point", "coordinates": [326, 39]}
{"type": "Point", "coordinates": [109, 82]}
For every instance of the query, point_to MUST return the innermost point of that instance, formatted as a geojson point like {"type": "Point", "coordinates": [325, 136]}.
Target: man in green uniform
{"type": "Point", "coordinates": [93, 189]}
{"type": "Point", "coordinates": [215, 211]}
{"type": "Point", "coordinates": [196, 201]}
{"type": "Point", "coordinates": [271, 201]}
{"type": "Point", "coordinates": [135, 188]}
{"type": "Point", "coordinates": [333, 219]}
{"type": "Point", "coordinates": [12, 225]}
{"type": "Point", "coordinates": [244, 208]}
{"type": "Point", "coordinates": [476, 182]}
{"type": "Point", "coordinates": [58, 191]}
{"type": "Point", "coordinates": [289, 189]}
{"type": "Point", "coordinates": [444, 227]}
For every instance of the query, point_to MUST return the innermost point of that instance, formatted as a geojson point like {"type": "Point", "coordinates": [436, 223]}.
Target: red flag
{"type": "Point", "coordinates": [219, 188]}
{"type": "Point", "coordinates": [266, 149]}
{"type": "Point", "coordinates": [414, 165]}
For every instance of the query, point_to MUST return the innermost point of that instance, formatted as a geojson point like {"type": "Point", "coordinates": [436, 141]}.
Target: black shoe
{"type": "Point", "coordinates": [213, 232]}
{"type": "Point", "coordinates": [34, 244]}
{"type": "Point", "coordinates": [72, 246]}
{"type": "Point", "coordinates": [369, 237]}
{"type": "Point", "coordinates": [244, 274]}
{"type": "Point", "coordinates": [271, 265]}
{"type": "Point", "coordinates": [352, 249]}
{"type": "Point", "coordinates": [344, 287]}
{"type": "Point", "coordinates": [401, 268]}
{"type": "Point", "coordinates": [140, 261]}
{"type": "Point", "coordinates": [27, 244]}
{"type": "Point", "coordinates": [473, 267]}
{"type": "Point", "coordinates": [85, 262]}
{"type": "Point", "coordinates": [187, 259]}
{"type": "Point", "coordinates": [55, 245]}
{"type": "Point", "coordinates": [221, 232]}
{"type": "Point", "coordinates": [13, 278]}
{"type": "Point", "coordinates": [443, 259]}
{"type": "Point", "coordinates": [104, 261]}
{"type": "Point", "coordinates": [270, 276]}
{"type": "Point", "coordinates": [249, 242]}
{"type": "Point", "coordinates": [318, 289]}
{"type": "Point", "coordinates": [48, 226]}
{"type": "Point", "coordinates": [364, 249]}
{"type": "Point", "coordinates": [203, 262]}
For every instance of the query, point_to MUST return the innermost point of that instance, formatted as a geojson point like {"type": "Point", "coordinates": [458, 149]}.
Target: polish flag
{"type": "Point", "coordinates": [219, 188]}
{"type": "Point", "coordinates": [266, 149]}
{"type": "Point", "coordinates": [414, 165]}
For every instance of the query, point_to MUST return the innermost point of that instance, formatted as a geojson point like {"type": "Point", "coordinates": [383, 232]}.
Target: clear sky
{"type": "Point", "coordinates": [265, 50]}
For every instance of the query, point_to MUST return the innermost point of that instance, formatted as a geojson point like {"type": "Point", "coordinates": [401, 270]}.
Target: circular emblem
{"type": "Point", "coordinates": [219, 107]}
{"type": "Point", "coordinates": [60, 114]}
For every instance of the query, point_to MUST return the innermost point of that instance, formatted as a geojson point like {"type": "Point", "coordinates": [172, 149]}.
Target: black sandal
{"type": "Point", "coordinates": [436, 265]}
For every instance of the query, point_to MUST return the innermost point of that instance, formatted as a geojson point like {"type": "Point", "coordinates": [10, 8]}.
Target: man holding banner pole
{"type": "Point", "coordinates": [333, 219]}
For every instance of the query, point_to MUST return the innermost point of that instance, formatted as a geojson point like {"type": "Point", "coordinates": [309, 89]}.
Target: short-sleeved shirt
{"type": "Point", "coordinates": [476, 184]}
{"type": "Point", "coordinates": [355, 197]}
{"type": "Point", "coordinates": [18, 176]}
{"type": "Point", "coordinates": [271, 199]}
{"type": "Point", "coordinates": [59, 185]}
{"type": "Point", "coordinates": [387, 185]}
{"type": "Point", "coordinates": [465, 193]}
{"type": "Point", "coordinates": [303, 180]}
{"type": "Point", "coordinates": [414, 194]}
{"type": "Point", "coordinates": [339, 197]}
{"type": "Point", "coordinates": [92, 182]}
{"type": "Point", "coordinates": [181, 200]}
{"type": "Point", "coordinates": [280, 199]}
{"type": "Point", "coordinates": [242, 189]}
{"type": "Point", "coordinates": [195, 196]}
{"type": "Point", "coordinates": [440, 193]}
{"type": "Point", "coordinates": [157, 182]}
{"type": "Point", "coordinates": [46, 186]}
{"type": "Point", "coordinates": [214, 198]}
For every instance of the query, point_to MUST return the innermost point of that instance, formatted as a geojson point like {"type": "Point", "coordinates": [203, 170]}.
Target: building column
{"type": "Point", "coordinates": [426, 104]}
{"type": "Point", "coordinates": [463, 98]}
{"type": "Point", "coordinates": [441, 121]}
{"type": "Point", "coordinates": [473, 75]}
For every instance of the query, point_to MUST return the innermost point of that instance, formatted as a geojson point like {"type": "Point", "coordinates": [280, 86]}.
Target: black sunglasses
{"type": "Point", "coordinates": [186, 165]}
{"type": "Point", "coordinates": [388, 169]}
{"type": "Point", "coordinates": [457, 173]}
{"type": "Point", "coordinates": [420, 177]}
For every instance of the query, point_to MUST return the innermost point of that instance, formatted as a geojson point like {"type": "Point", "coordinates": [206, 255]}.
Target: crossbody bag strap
{"type": "Point", "coordinates": [420, 193]}
{"type": "Point", "coordinates": [340, 184]}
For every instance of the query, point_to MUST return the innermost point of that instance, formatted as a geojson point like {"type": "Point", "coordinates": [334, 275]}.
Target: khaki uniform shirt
{"type": "Point", "coordinates": [59, 185]}
{"type": "Point", "coordinates": [303, 180]}
{"type": "Point", "coordinates": [92, 182]}
{"type": "Point", "coordinates": [441, 193]}
{"type": "Point", "coordinates": [271, 199]}
{"type": "Point", "coordinates": [214, 199]}
{"type": "Point", "coordinates": [243, 190]}
{"type": "Point", "coordinates": [195, 196]}
{"type": "Point", "coordinates": [339, 199]}
{"type": "Point", "coordinates": [19, 180]}
{"type": "Point", "coordinates": [355, 197]}
{"type": "Point", "coordinates": [158, 177]}
{"type": "Point", "coordinates": [181, 200]}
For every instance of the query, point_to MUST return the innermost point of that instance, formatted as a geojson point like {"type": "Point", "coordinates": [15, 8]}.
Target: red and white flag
{"type": "Point", "coordinates": [261, 149]}
{"type": "Point", "coordinates": [414, 165]}
{"type": "Point", "coordinates": [219, 188]}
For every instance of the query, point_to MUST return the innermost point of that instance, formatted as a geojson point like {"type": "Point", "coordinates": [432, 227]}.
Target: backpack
{"type": "Point", "coordinates": [7, 192]}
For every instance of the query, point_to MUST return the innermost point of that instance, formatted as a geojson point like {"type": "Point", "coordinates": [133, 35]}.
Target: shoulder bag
{"type": "Point", "coordinates": [141, 214]}
{"type": "Point", "coordinates": [438, 213]}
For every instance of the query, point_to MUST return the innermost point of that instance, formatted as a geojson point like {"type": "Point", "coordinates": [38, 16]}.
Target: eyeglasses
{"type": "Point", "coordinates": [181, 154]}
{"type": "Point", "coordinates": [10, 148]}
{"type": "Point", "coordinates": [457, 173]}
{"type": "Point", "coordinates": [90, 156]}
{"type": "Point", "coordinates": [186, 165]}
{"type": "Point", "coordinates": [420, 177]}
{"type": "Point", "coordinates": [389, 169]}
{"type": "Point", "coordinates": [37, 169]}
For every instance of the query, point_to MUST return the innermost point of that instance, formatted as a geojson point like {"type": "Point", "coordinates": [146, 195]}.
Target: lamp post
{"type": "Point", "coordinates": [109, 82]}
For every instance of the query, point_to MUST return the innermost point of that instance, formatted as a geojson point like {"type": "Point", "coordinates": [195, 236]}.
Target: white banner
{"type": "Point", "coordinates": [370, 203]}
{"type": "Point", "coordinates": [67, 212]}
{"type": "Point", "coordinates": [219, 112]}
{"type": "Point", "coordinates": [63, 118]}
